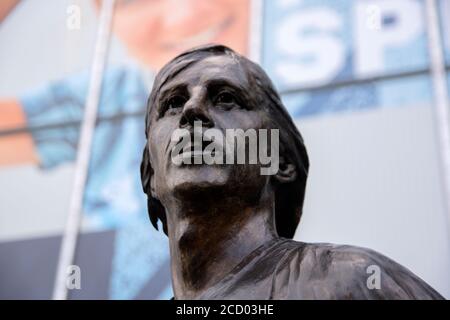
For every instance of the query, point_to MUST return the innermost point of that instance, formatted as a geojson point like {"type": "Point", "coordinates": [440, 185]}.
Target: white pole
{"type": "Point", "coordinates": [69, 240]}
{"type": "Point", "coordinates": [441, 97]}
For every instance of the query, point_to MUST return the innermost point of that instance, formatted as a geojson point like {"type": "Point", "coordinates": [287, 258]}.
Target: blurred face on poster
{"type": "Point", "coordinates": [154, 31]}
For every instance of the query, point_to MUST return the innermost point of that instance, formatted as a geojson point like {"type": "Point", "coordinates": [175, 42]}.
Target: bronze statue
{"type": "Point", "coordinates": [229, 226]}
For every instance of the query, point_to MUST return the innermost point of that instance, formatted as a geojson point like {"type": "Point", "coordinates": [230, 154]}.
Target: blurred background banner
{"type": "Point", "coordinates": [355, 75]}
{"type": "Point", "coordinates": [337, 47]}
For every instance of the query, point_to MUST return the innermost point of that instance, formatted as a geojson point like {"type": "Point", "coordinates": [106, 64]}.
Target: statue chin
{"type": "Point", "coordinates": [199, 178]}
{"type": "Point", "coordinates": [210, 179]}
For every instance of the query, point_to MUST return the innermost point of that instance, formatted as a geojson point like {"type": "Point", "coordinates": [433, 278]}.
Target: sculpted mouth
{"type": "Point", "coordinates": [196, 154]}
{"type": "Point", "coordinates": [189, 154]}
{"type": "Point", "coordinates": [195, 150]}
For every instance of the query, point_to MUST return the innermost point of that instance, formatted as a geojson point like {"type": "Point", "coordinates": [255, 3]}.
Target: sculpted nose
{"type": "Point", "coordinates": [195, 110]}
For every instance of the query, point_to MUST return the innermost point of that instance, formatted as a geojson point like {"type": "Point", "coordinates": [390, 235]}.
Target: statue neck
{"type": "Point", "coordinates": [207, 242]}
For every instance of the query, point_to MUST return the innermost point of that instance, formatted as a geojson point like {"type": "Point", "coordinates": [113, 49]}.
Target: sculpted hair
{"type": "Point", "coordinates": [289, 196]}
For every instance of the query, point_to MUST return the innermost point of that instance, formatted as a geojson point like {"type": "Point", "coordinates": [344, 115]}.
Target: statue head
{"type": "Point", "coordinates": [222, 90]}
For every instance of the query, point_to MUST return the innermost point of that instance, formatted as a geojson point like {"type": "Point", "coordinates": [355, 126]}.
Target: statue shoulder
{"type": "Point", "coordinates": [330, 271]}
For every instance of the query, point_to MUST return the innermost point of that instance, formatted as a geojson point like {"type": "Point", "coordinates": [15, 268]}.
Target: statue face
{"type": "Point", "coordinates": [215, 91]}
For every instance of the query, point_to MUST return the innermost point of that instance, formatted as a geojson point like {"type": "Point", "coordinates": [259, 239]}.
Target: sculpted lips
{"type": "Point", "coordinates": [195, 147]}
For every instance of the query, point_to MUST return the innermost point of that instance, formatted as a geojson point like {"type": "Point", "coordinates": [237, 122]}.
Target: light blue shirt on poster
{"type": "Point", "coordinates": [113, 196]}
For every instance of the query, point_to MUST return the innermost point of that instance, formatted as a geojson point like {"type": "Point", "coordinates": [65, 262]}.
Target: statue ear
{"type": "Point", "coordinates": [155, 208]}
{"type": "Point", "coordinates": [287, 172]}
{"type": "Point", "coordinates": [146, 172]}
{"type": "Point", "coordinates": [152, 185]}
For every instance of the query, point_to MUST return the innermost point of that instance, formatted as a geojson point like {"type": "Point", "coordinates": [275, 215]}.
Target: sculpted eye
{"type": "Point", "coordinates": [173, 105]}
{"type": "Point", "coordinates": [225, 98]}
{"type": "Point", "coordinates": [175, 102]}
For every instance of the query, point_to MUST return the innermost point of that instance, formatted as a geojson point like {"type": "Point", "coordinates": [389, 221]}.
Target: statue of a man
{"type": "Point", "coordinates": [230, 226]}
